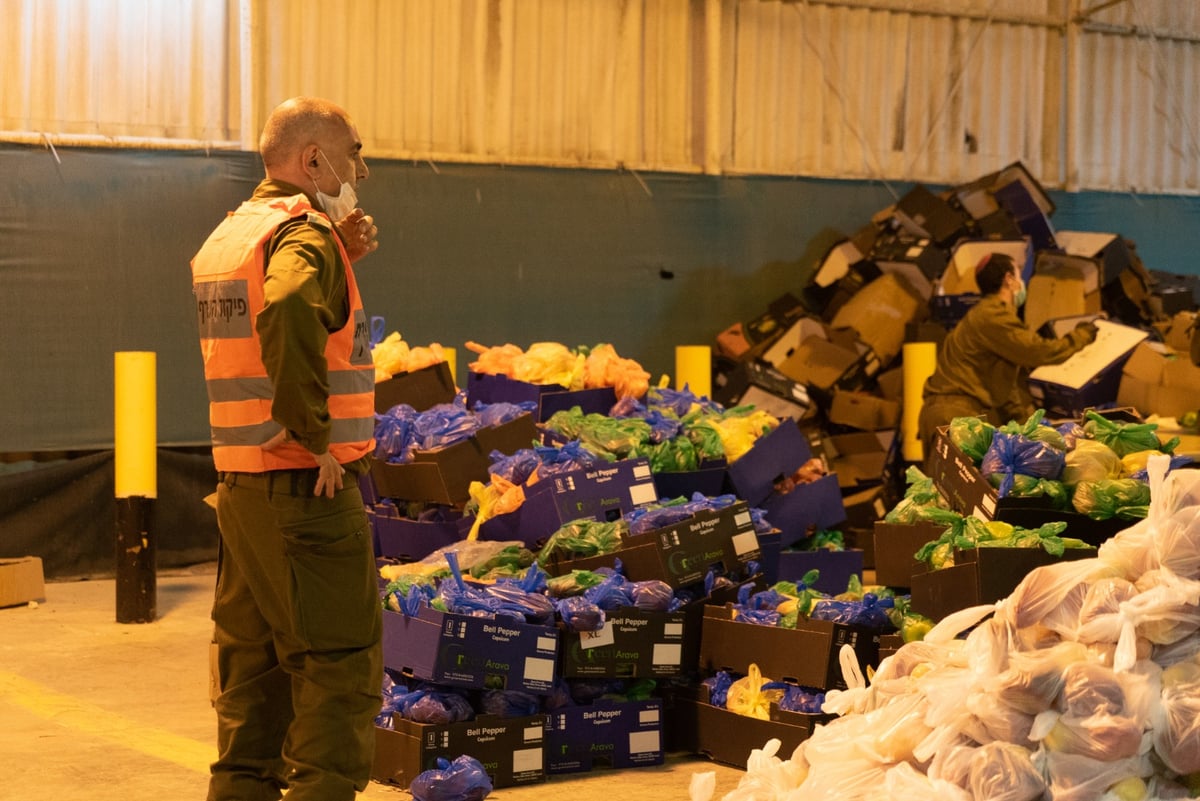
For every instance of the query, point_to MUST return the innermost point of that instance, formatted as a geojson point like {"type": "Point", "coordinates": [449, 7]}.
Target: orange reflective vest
{"type": "Point", "coordinates": [227, 280]}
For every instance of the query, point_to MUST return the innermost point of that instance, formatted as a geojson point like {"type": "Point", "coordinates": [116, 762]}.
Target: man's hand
{"type": "Point", "coordinates": [358, 233]}
{"type": "Point", "coordinates": [329, 475]}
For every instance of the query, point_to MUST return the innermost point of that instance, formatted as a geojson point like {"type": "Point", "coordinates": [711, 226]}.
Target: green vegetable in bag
{"type": "Point", "coordinates": [920, 497]}
{"type": "Point", "coordinates": [972, 436]}
{"type": "Point", "coordinates": [1091, 460]}
{"type": "Point", "coordinates": [584, 537]}
{"type": "Point", "coordinates": [1126, 438]}
{"type": "Point", "coordinates": [1034, 430]}
{"type": "Point", "coordinates": [1024, 486]}
{"type": "Point", "coordinates": [1123, 498]}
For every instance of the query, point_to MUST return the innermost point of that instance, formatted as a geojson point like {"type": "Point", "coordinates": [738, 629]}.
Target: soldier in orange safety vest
{"type": "Point", "coordinates": [290, 382]}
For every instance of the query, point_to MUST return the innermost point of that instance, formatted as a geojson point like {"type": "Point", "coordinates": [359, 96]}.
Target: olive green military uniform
{"type": "Point", "coordinates": [296, 614]}
{"type": "Point", "coordinates": [983, 367]}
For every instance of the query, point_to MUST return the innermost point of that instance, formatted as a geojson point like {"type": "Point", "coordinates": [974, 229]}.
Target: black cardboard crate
{"type": "Point", "coordinates": [511, 750]}
{"type": "Point", "coordinates": [980, 576]}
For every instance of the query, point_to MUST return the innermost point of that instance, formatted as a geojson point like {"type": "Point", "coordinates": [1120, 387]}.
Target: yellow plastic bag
{"type": "Point", "coordinates": [747, 697]}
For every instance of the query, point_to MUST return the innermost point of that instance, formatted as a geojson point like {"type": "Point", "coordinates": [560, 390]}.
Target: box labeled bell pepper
{"type": "Point", "coordinates": [681, 554]}
{"type": "Point", "coordinates": [807, 655]}
{"type": "Point", "coordinates": [620, 734]}
{"type": "Point", "coordinates": [602, 493]}
{"type": "Point", "coordinates": [445, 475]}
{"type": "Point", "coordinates": [465, 651]}
{"type": "Point", "coordinates": [511, 750]}
{"type": "Point", "coordinates": [632, 644]}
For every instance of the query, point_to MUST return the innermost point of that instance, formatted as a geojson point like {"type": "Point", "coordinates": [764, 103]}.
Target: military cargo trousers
{"type": "Point", "coordinates": [297, 622]}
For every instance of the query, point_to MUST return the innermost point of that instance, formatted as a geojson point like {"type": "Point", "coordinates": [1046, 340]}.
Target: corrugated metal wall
{"type": "Point", "coordinates": [931, 90]}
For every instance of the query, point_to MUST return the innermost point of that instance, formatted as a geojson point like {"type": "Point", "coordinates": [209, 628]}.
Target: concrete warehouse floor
{"type": "Point", "coordinates": [106, 711]}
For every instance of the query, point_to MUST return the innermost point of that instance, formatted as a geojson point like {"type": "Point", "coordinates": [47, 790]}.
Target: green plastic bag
{"type": "Point", "coordinates": [1123, 498]}
{"type": "Point", "coordinates": [1125, 438]}
{"type": "Point", "coordinates": [972, 436]}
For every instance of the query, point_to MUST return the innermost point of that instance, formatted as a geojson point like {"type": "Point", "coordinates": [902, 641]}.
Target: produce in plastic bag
{"type": "Point", "coordinates": [1177, 718]}
{"type": "Point", "coordinates": [1003, 772]}
{"type": "Point", "coordinates": [1125, 438]}
{"type": "Point", "coordinates": [464, 779]}
{"type": "Point", "coordinates": [1034, 429]}
{"type": "Point", "coordinates": [971, 435]}
{"type": "Point", "coordinates": [1124, 498]}
{"type": "Point", "coordinates": [1010, 454]}
{"type": "Point", "coordinates": [749, 696]}
{"type": "Point", "coordinates": [1091, 460]}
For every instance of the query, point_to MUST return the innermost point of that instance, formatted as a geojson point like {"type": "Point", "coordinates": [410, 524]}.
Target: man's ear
{"type": "Point", "coordinates": [310, 160]}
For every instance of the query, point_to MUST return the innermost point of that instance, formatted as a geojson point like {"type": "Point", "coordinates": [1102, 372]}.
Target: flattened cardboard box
{"type": "Point", "coordinates": [806, 655]}
{"type": "Point", "coordinates": [633, 643]}
{"type": "Point", "coordinates": [21, 581]}
{"type": "Point", "coordinates": [511, 750]}
{"type": "Point", "coordinates": [465, 651]}
{"type": "Point", "coordinates": [621, 734]}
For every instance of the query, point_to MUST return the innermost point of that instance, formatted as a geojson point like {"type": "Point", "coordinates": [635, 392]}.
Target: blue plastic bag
{"type": "Point", "coordinates": [464, 779]}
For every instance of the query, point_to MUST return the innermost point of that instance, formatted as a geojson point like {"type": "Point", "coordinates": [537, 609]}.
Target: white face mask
{"type": "Point", "coordinates": [337, 207]}
{"type": "Point", "coordinates": [1019, 295]}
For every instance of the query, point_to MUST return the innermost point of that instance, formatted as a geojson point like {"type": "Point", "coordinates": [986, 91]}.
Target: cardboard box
{"type": "Point", "coordinates": [21, 581]}
{"type": "Point", "coordinates": [919, 262]}
{"type": "Point", "coordinates": [776, 455]}
{"type": "Point", "coordinates": [728, 737]}
{"type": "Point", "coordinates": [835, 567]}
{"type": "Point", "coordinates": [632, 644]}
{"type": "Point", "coordinates": [1159, 380]}
{"type": "Point", "coordinates": [465, 651]}
{"type": "Point", "coordinates": [550, 398]}
{"type": "Point", "coordinates": [806, 655]}
{"type": "Point", "coordinates": [969, 493]}
{"type": "Point", "coordinates": [1091, 377]}
{"type": "Point", "coordinates": [821, 357]}
{"type": "Point", "coordinates": [861, 458]}
{"type": "Point", "coordinates": [511, 750]}
{"type": "Point", "coordinates": [879, 314]}
{"type": "Point", "coordinates": [620, 734]}
{"type": "Point", "coordinates": [708, 479]}
{"type": "Point", "coordinates": [807, 508]}
{"type": "Point", "coordinates": [420, 389]}
{"type": "Point", "coordinates": [895, 545]}
{"type": "Point", "coordinates": [604, 493]}
{"type": "Point", "coordinates": [681, 554]}
{"type": "Point", "coordinates": [445, 475]}
{"type": "Point", "coordinates": [863, 410]}
{"type": "Point", "coordinates": [401, 538]}
{"type": "Point", "coordinates": [842, 273]}
{"type": "Point", "coordinates": [749, 383]}
{"type": "Point", "coordinates": [1024, 201]}
{"type": "Point", "coordinates": [1062, 286]}
{"type": "Point", "coordinates": [980, 576]}
{"type": "Point", "coordinates": [889, 644]}
{"type": "Point", "coordinates": [747, 340]}
{"type": "Point", "coordinates": [1108, 251]}
{"type": "Point", "coordinates": [925, 215]}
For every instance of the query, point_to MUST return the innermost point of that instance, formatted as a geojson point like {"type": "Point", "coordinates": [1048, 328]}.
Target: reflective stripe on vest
{"type": "Point", "coordinates": [227, 277]}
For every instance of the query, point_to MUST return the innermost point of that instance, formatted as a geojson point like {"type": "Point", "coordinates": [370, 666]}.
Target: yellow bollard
{"type": "Point", "coordinates": [693, 368]}
{"type": "Point", "coordinates": [920, 360]}
{"type": "Point", "coordinates": [135, 482]}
